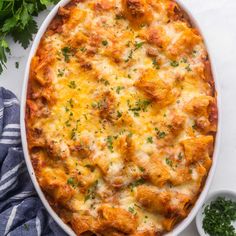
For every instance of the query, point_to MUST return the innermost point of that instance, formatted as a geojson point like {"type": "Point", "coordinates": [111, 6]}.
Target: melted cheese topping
{"type": "Point", "coordinates": [120, 110]}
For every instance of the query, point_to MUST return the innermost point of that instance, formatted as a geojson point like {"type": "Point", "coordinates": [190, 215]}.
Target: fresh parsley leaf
{"type": "Point", "coordinates": [4, 49]}
{"type": "Point", "coordinates": [24, 36]}
{"type": "Point", "coordinates": [16, 20]}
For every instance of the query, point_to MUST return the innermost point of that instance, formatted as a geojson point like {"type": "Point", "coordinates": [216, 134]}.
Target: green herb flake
{"type": "Point", "coordinates": [119, 88]}
{"type": "Point", "coordinates": [174, 63]}
{"type": "Point", "coordinates": [188, 68]}
{"type": "Point", "coordinates": [194, 126]}
{"type": "Point", "coordinates": [131, 210]}
{"type": "Point", "coordinates": [218, 217]}
{"type": "Point", "coordinates": [71, 181]}
{"type": "Point", "coordinates": [137, 183]}
{"type": "Point", "coordinates": [104, 42]}
{"type": "Point", "coordinates": [141, 169]}
{"type": "Point", "coordinates": [184, 60]}
{"type": "Point", "coordinates": [119, 114]}
{"type": "Point", "coordinates": [66, 52]}
{"type": "Point", "coordinates": [91, 167]}
{"type": "Point", "coordinates": [72, 84]}
{"type": "Point", "coordinates": [17, 64]}
{"type": "Point", "coordinates": [60, 72]}
{"type": "Point", "coordinates": [91, 192]}
{"type": "Point", "coordinates": [104, 81]}
{"type": "Point", "coordinates": [138, 45]}
{"type": "Point", "coordinates": [149, 139]}
{"type": "Point", "coordinates": [129, 56]}
{"type": "Point", "coordinates": [169, 162]}
{"type": "Point", "coordinates": [83, 49]}
{"type": "Point", "coordinates": [155, 64]}
{"type": "Point", "coordinates": [71, 102]}
{"type": "Point", "coordinates": [160, 134]}
{"type": "Point", "coordinates": [109, 141]}
{"type": "Point", "coordinates": [180, 156]}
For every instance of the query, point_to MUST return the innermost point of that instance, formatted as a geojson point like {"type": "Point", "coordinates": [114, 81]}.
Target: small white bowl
{"type": "Point", "coordinates": [228, 194]}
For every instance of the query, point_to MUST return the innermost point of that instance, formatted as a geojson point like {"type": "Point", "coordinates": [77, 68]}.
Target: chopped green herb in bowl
{"type": "Point", "coordinates": [218, 215]}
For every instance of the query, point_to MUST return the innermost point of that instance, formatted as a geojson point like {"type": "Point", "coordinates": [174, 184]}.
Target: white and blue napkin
{"type": "Point", "coordinates": [21, 211]}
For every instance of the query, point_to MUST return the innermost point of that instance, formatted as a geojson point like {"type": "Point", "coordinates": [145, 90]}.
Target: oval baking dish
{"type": "Point", "coordinates": [203, 135]}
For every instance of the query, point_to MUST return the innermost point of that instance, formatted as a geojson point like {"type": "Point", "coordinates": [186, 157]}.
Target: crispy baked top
{"type": "Point", "coordinates": [121, 116]}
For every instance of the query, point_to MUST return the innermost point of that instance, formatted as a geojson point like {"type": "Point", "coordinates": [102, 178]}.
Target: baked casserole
{"type": "Point", "coordinates": [121, 116]}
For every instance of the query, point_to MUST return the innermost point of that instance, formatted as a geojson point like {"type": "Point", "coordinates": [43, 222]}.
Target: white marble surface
{"type": "Point", "coordinates": [217, 19]}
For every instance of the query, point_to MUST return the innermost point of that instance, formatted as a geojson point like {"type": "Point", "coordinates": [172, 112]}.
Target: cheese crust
{"type": "Point", "coordinates": [121, 116]}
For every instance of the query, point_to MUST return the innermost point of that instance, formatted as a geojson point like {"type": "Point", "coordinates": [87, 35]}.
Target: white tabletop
{"type": "Point", "coordinates": [217, 20]}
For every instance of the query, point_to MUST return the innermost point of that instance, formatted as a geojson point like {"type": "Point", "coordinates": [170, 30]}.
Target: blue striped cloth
{"type": "Point", "coordinates": [21, 211]}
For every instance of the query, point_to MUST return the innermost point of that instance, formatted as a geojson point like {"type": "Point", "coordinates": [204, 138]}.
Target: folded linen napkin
{"type": "Point", "coordinates": [21, 211]}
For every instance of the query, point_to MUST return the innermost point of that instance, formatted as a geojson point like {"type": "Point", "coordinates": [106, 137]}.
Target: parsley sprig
{"type": "Point", "coordinates": [16, 20]}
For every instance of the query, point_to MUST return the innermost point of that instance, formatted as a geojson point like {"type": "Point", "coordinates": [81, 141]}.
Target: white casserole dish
{"type": "Point", "coordinates": [183, 224]}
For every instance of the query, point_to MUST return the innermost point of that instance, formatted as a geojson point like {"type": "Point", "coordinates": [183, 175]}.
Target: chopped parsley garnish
{"type": "Point", "coordinates": [17, 64]}
{"type": "Point", "coordinates": [67, 123]}
{"type": "Point", "coordinates": [119, 88]}
{"type": "Point", "coordinates": [160, 134]}
{"type": "Point", "coordinates": [104, 42]}
{"type": "Point", "coordinates": [140, 105]}
{"type": "Point", "coordinates": [149, 139]}
{"type": "Point", "coordinates": [180, 156]}
{"type": "Point", "coordinates": [138, 45]}
{"type": "Point", "coordinates": [72, 84]}
{"type": "Point", "coordinates": [60, 72]}
{"type": "Point", "coordinates": [141, 169]}
{"type": "Point", "coordinates": [155, 64]}
{"type": "Point", "coordinates": [137, 183]}
{"type": "Point", "coordinates": [66, 52]}
{"type": "Point", "coordinates": [129, 56]}
{"type": "Point", "coordinates": [169, 162]}
{"type": "Point", "coordinates": [119, 114]}
{"type": "Point", "coordinates": [109, 141]}
{"type": "Point", "coordinates": [104, 81]}
{"type": "Point", "coordinates": [91, 167]}
{"type": "Point", "coordinates": [143, 104]}
{"type": "Point", "coordinates": [91, 192]}
{"type": "Point", "coordinates": [131, 210]}
{"type": "Point", "coordinates": [73, 134]}
{"type": "Point", "coordinates": [184, 60]}
{"type": "Point", "coordinates": [174, 63]}
{"type": "Point", "coordinates": [218, 217]}
{"type": "Point", "coordinates": [194, 126]}
{"type": "Point", "coordinates": [194, 53]}
{"type": "Point", "coordinates": [71, 181]}
{"type": "Point", "coordinates": [188, 68]}
{"type": "Point", "coordinates": [83, 49]}
{"type": "Point", "coordinates": [71, 103]}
